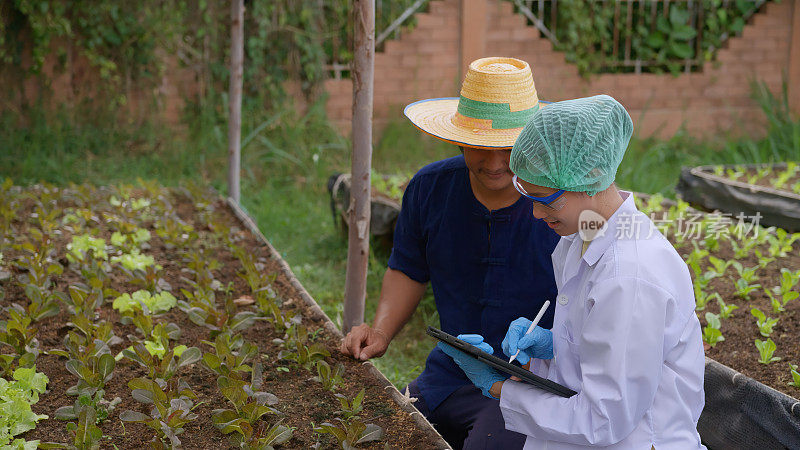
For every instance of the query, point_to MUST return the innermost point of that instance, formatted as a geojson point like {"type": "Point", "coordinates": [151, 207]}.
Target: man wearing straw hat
{"type": "Point", "coordinates": [465, 229]}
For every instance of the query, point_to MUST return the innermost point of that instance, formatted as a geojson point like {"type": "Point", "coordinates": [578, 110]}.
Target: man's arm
{"type": "Point", "coordinates": [400, 296]}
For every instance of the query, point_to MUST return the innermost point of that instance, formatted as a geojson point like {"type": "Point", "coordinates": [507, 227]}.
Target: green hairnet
{"type": "Point", "coordinates": [575, 145]}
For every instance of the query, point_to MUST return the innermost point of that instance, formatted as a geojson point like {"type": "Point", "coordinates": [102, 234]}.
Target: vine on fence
{"type": "Point", "coordinates": [126, 41]}
{"type": "Point", "coordinates": [663, 35]}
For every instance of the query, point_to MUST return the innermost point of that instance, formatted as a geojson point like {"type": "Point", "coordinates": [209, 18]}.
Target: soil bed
{"type": "Point", "coordinates": [740, 330]}
{"type": "Point", "coordinates": [302, 402]}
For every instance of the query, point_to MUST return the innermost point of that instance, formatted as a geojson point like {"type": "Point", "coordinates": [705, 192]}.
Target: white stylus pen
{"type": "Point", "coordinates": [533, 325]}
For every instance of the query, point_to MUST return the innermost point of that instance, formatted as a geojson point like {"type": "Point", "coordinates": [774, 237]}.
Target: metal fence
{"type": "Point", "coordinates": [639, 35]}
{"type": "Point", "coordinates": [603, 36]}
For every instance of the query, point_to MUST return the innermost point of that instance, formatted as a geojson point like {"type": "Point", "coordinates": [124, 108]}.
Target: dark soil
{"type": "Point", "coordinates": [740, 331]}
{"type": "Point", "coordinates": [303, 402]}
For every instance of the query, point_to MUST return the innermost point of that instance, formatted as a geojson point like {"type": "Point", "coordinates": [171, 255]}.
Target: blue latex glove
{"type": "Point", "coordinates": [482, 375]}
{"type": "Point", "coordinates": [537, 344]}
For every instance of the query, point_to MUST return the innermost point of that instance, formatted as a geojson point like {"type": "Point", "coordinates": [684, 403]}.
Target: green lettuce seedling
{"type": "Point", "coordinates": [765, 324]}
{"type": "Point", "coordinates": [719, 267]}
{"type": "Point", "coordinates": [711, 333]}
{"type": "Point", "coordinates": [795, 375]}
{"type": "Point", "coordinates": [329, 378]}
{"type": "Point", "coordinates": [158, 303]}
{"type": "Point", "coordinates": [16, 398]}
{"type": "Point", "coordinates": [788, 280]}
{"type": "Point", "coordinates": [80, 245]}
{"type": "Point", "coordinates": [702, 299]}
{"type": "Point", "coordinates": [743, 288]}
{"type": "Point", "coordinates": [135, 260]}
{"type": "Point", "coordinates": [350, 430]}
{"type": "Point", "coordinates": [765, 351]}
{"type": "Point", "coordinates": [171, 409]}
{"type": "Point", "coordinates": [783, 177]}
{"type": "Point", "coordinates": [780, 244]}
{"type": "Point", "coordinates": [725, 309]}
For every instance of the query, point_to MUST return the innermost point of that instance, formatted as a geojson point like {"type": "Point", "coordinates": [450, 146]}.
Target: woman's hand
{"type": "Point", "coordinates": [537, 344]}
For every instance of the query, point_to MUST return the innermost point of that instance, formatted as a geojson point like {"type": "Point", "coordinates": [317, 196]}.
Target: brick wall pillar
{"type": "Point", "coordinates": [794, 60]}
{"type": "Point", "coordinates": [474, 21]}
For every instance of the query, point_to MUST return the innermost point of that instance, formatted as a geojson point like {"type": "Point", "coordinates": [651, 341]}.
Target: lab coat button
{"type": "Point", "coordinates": [562, 299]}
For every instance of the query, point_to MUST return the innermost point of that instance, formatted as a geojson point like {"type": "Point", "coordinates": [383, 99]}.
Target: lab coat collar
{"type": "Point", "coordinates": [599, 245]}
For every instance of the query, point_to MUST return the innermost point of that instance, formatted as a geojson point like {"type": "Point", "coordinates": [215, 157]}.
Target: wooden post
{"type": "Point", "coordinates": [355, 289]}
{"type": "Point", "coordinates": [794, 61]}
{"type": "Point", "coordinates": [235, 98]}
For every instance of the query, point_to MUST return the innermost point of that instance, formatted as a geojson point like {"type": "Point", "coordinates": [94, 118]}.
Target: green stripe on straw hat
{"type": "Point", "coordinates": [498, 97]}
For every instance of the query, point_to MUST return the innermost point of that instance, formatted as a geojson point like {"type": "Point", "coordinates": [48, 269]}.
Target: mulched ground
{"type": "Point", "coordinates": [303, 402]}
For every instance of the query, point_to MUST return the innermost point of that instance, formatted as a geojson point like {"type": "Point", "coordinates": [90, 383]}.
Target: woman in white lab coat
{"type": "Point", "coordinates": [625, 335]}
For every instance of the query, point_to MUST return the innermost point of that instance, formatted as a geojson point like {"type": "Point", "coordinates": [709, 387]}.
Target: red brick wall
{"type": "Point", "coordinates": [425, 62]}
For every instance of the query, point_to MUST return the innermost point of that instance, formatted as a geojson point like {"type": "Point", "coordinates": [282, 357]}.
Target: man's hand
{"type": "Point", "coordinates": [364, 342]}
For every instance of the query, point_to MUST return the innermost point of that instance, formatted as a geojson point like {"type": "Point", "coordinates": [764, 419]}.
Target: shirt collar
{"type": "Point", "coordinates": [600, 244]}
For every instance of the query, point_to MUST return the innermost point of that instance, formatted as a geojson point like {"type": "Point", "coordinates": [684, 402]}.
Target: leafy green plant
{"type": "Point", "coordinates": [694, 259]}
{"type": "Point", "coordinates": [329, 378]}
{"type": "Point", "coordinates": [788, 280]}
{"type": "Point", "coordinates": [81, 245]}
{"type": "Point", "coordinates": [765, 324]}
{"type": "Point", "coordinates": [171, 409]}
{"type": "Point", "coordinates": [19, 338]}
{"type": "Point", "coordinates": [298, 348]}
{"type": "Point", "coordinates": [86, 435]}
{"type": "Point", "coordinates": [16, 398]}
{"type": "Point", "coordinates": [130, 242]}
{"type": "Point", "coordinates": [777, 305]}
{"type": "Point", "coordinates": [795, 375]}
{"type": "Point", "coordinates": [93, 373]}
{"type": "Point", "coordinates": [250, 405]}
{"type": "Point", "coordinates": [719, 267]}
{"type": "Point", "coordinates": [765, 351]}
{"type": "Point", "coordinates": [162, 366]}
{"type": "Point", "coordinates": [784, 176]}
{"type": "Point", "coordinates": [349, 429]}
{"type": "Point", "coordinates": [135, 260]}
{"type": "Point", "coordinates": [743, 289]}
{"type": "Point", "coordinates": [747, 246]}
{"type": "Point", "coordinates": [763, 261]}
{"type": "Point", "coordinates": [155, 303]}
{"type": "Point", "coordinates": [746, 273]}
{"type": "Point", "coordinates": [231, 355]}
{"type": "Point", "coordinates": [703, 298]}
{"type": "Point", "coordinates": [711, 332]}
{"type": "Point", "coordinates": [174, 232]}
{"type": "Point", "coordinates": [102, 407]}
{"type": "Point", "coordinates": [780, 243]}
{"type": "Point", "coordinates": [725, 310]}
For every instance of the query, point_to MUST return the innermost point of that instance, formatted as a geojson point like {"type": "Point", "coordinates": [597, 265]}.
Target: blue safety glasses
{"type": "Point", "coordinates": [554, 201]}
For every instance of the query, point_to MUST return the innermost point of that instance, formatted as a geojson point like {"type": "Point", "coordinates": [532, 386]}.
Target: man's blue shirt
{"type": "Point", "coordinates": [486, 268]}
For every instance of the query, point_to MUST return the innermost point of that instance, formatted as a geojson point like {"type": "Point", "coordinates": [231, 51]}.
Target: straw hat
{"type": "Point", "coordinates": [497, 99]}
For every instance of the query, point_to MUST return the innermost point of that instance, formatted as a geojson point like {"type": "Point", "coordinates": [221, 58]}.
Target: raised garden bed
{"type": "Point", "coordinates": [233, 291]}
{"type": "Point", "coordinates": [771, 190]}
{"type": "Point", "coordinates": [741, 270]}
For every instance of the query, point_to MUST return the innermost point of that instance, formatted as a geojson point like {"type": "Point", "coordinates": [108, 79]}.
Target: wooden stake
{"type": "Point", "coordinates": [355, 289]}
{"type": "Point", "coordinates": [235, 98]}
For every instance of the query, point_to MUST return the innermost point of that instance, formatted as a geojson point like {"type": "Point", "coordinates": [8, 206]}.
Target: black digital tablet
{"type": "Point", "coordinates": [502, 365]}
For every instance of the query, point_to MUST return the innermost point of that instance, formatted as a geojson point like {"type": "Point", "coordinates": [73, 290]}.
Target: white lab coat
{"type": "Point", "coordinates": [626, 338]}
